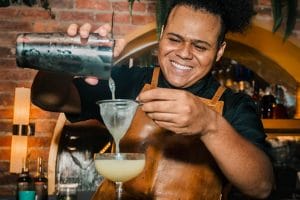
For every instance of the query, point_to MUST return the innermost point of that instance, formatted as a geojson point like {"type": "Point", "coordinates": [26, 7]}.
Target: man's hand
{"type": "Point", "coordinates": [177, 110]}
{"type": "Point", "coordinates": [103, 31]}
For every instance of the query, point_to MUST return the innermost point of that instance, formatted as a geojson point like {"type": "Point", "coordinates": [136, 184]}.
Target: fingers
{"type": "Point", "coordinates": [72, 29]}
{"type": "Point", "coordinates": [119, 46]}
{"type": "Point", "coordinates": [91, 80]}
{"type": "Point", "coordinates": [85, 30]}
{"type": "Point", "coordinates": [158, 94]}
{"type": "Point", "coordinates": [103, 30]}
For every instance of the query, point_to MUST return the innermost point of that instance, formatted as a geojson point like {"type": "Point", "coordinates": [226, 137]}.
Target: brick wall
{"type": "Point", "coordinates": [16, 19]}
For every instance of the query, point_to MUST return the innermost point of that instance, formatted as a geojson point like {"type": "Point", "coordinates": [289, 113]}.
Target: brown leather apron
{"type": "Point", "coordinates": [177, 167]}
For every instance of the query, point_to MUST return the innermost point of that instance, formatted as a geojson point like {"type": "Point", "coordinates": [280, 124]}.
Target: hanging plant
{"type": "Point", "coordinates": [279, 7]}
{"type": "Point", "coordinates": [161, 12]}
{"type": "Point", "coordinates": [284, 11]}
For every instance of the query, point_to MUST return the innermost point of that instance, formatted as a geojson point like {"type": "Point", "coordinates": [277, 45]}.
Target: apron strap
{"type": "Point", "coordinates": [218, 95]}
{"type": "Point", "coordinates": [155, 76]}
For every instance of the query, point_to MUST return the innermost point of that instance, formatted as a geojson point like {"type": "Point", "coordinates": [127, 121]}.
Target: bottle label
{"type": "Point", "coordinates": [41, 190]}
{"type": "Point", "coordinates": [26, 195]}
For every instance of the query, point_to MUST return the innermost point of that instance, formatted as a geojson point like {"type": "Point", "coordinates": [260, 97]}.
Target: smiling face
{"type": "Point", "coordinates": [189, 47]}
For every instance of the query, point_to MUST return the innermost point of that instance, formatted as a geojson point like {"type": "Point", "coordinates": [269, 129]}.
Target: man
{"type": "Point", "coordinates": [228, 144]}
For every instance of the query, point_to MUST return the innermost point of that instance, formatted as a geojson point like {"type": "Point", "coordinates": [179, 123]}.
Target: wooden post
{"type": "Point", "coordinates": [297, 114]}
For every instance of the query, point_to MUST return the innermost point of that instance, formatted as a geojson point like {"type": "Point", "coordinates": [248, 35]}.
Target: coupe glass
{"type": "Point", "coordinates": [117, 115]}
{"type": "Point", "coordinates": [119, 167]}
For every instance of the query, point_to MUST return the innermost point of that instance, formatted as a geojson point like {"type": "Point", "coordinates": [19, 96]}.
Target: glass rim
{"type": "Point", "coordinates": [116, 101]}
{"type": "Point", "coordinates": [120, 155]}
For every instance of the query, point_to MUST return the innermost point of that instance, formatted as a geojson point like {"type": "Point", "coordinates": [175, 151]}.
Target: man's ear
{"type": "Point", "coordinates": [220, 51]}
{"type": "Point", "coordinates": [162, 31]}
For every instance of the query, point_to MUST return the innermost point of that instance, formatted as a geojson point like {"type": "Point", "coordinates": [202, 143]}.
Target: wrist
{"type": "Point", "coordinates": [211, 125]}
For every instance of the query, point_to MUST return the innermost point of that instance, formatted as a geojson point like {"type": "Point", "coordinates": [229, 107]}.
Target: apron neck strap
{"type": "Point", "coordinates": [154, 81]}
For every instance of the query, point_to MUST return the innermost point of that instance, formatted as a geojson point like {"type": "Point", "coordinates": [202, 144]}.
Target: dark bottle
{"type": "Point", "coordinates": [25, 184]}
{"type": "Point", "coordinates": [280, 111]}
{"type": "Point", "coordinates": [41, 182]}
{"type": "Point", "coordinates": [268, 104]}
{"type": "Point", "coordinates": [256, 97]}
{"type": "Point", "coordinates": [58, 52]}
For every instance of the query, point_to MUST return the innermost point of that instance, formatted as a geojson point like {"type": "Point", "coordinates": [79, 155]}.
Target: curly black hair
{"type": "Point", "coordinates": [235, 14]}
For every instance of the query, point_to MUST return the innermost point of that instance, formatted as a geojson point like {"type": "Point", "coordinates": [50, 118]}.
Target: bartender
{"type": "Point", "coordinates": [198, 137]}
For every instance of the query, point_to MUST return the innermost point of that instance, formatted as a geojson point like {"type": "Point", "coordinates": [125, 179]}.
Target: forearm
{"type": "Point", "coordinates": [55, 92]}
{"type": "Point", "coordinates": [244, 165]}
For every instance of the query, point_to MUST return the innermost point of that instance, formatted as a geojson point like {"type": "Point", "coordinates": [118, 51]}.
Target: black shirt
{"type": "Point", "coordinates": [239, 109]}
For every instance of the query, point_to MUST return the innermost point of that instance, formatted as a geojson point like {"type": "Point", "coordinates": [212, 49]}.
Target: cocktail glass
{"type": "Point", "coordinates": [119, 167]}
{"type": "Point", "coordinates": [117, 115]}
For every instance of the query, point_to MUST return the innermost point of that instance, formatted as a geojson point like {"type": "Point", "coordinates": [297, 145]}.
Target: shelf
{"type": "Point", "coordinates": [285, 127]}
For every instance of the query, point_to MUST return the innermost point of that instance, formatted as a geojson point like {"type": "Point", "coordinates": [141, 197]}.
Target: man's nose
{"type": "Point", "coordinates": [185, 51]}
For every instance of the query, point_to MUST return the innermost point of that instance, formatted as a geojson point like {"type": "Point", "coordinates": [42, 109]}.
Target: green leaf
{"type": "Point", "coordinates": [131, 2]}
{"type": "Point", "coordinates": [162, 7]}
{"type": "Point", "coordinates": [291, 18]}
{"type": "Point", "coordinates": [277, 14]}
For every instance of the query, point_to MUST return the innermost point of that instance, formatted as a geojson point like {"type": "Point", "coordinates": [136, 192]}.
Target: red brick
{"type": "Point", "coordinates": [104, 17]}
{"type": "Point", "coordinates": [79, 16]}
{"type": "Point", "coordinates": [49, 26]}
{"type": "Point", "coordinates": [38, 113]}
{"type": "Point", "coordinates": [6, 126]}
{"type": "Point", "coordinates": [8, 189]}
{"type": "Point", "coordinates": [94, 4]}
{"type": "Point", "coordinates": [5, 141]}
{"type": "Point", "coordinates": [8, 13]}
{"type": "Point", "coordinates": [4, 154]}
{"type": "Point", "coordinates": [8, 179]}
{"type": "Point", "coordinates": [8, 63]}
{"type": "Point", "coordinates": [151, 8]}
{"type": "Point", "coordinates": [142, 20]}
{"type": "Point", "coordinates": [6, 99]}
{"type": "Point", "coordinates": [65, 4]}
{"type": "Point", "coordinates": [20, 26]}
{"type": "Point", "coordinates": [7, 52]}
{"type": "Point", "coordinates": [4, 166]}
{"type": "Point", "coordinates": [122, 18]}
{"type": "Point", "coordinates": [33, 13]}
{"type": "Point", "coordinates": [7, 86]}
{"type": "Point", "coordinates": [121, 6]}
{"type": "Point", "coordinates": [17, 74]}
{"type": "Point", "coordinates": [123, 29]}
{"type": "Point", "coordinates": [6, 112]}
{"type": "Point", "coordinates": [45, 126]}
{"type": "Point", "coordinates": [39, 142]}
{"type": "Point", "coordinates": [139, 7]}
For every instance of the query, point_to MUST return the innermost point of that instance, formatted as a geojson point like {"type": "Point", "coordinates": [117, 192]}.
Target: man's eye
{"type": "Point", "coordinates": [200, 48]}
{"type": "Point", "coordinates": [174, 40]}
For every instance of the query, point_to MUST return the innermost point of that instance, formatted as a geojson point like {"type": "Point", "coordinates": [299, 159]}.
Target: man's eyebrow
{"type": "Point", "coordinates": [193, 41]}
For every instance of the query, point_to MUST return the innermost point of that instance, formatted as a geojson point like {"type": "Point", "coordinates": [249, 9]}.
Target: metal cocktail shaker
{"type": "Point", "coordinates": [58, 52]}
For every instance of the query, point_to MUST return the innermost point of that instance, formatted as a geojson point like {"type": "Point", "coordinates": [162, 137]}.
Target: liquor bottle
{"type": "Point", "coordinates": [268, 104]}
{"type": "Point", "coordinates": [58, 52]}
{"type": "Point", "coordinates": [41, 182]}
{"type": "Point", "coordinates": [256, 97]}
{"type": "Point", "coordinates": [280, 110]}
{"type": "Point", "coordinates": [25, 184]}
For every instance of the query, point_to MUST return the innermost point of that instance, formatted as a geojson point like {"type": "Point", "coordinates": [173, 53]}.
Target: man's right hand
{"type": "Point", "coordinates": [103, 31]}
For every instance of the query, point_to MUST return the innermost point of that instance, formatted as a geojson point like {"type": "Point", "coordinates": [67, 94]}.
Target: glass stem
{"type": "Point", "coordinates": [117, 145]}
{"type": "Point", "coordinates": [119, 190]}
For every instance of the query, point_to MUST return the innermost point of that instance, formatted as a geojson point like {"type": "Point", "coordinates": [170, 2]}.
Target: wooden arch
{"type": "Point", "coordinates": [259, 49]}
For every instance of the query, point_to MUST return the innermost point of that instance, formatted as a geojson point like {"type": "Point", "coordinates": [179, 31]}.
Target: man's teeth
{"type": "Point", "coordinates": [181, 67]}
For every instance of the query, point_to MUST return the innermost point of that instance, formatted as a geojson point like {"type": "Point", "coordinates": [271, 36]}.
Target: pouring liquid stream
{"type": "Point", "coordinates": [112, 87]}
